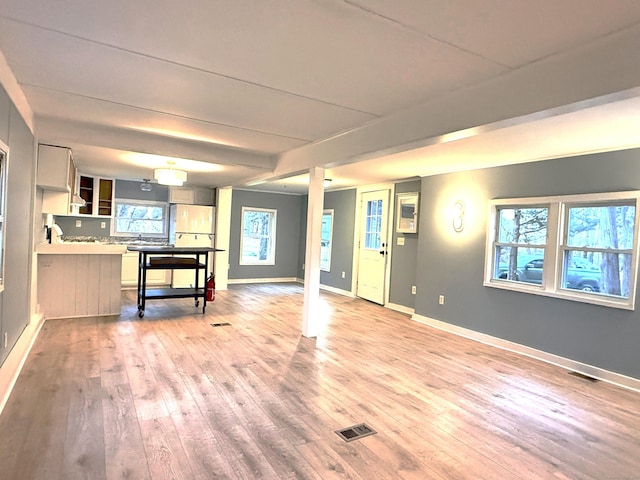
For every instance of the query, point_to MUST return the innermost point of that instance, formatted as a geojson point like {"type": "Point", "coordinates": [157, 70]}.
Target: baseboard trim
{"type": "Point", "coordinates": [337, 291]}
{"type": "Point", "coordinates": [12, 366]}
{"type": "Point", "coordinates": [328, 288]}
{"type": "Point", "coordinates": [400, 308]}
{"type": "Point", "coordinates": [567, 363]}
{"type": "Point", "coordinates": [238, 281]}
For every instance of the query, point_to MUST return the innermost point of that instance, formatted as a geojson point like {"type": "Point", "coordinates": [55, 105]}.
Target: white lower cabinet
{"type": "Point", "coordinates": [130, 272]}
{"type": "Point", "coordinates": [79, 285]}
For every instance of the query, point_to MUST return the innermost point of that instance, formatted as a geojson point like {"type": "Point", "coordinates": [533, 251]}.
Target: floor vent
{"type": "Point", "coordinates": [584, 377]}
{"type": "Point", "coordinates": [355, 433]}
{"type": "Point", "coordinates": [221, 324]}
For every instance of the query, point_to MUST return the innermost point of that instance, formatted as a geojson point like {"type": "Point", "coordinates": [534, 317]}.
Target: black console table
{"type": "Point", "coordinates": [163, 258]}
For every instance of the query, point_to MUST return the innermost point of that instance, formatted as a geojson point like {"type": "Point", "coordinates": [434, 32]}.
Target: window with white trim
{"type": "Point", "coordinates": [325, 240]}
{"type": "Point", "coordinates": [578, 247]}
{"type": "Point", "coordinates": [258, 240]}
{"type": "Point", "coordinates": [139, 217]}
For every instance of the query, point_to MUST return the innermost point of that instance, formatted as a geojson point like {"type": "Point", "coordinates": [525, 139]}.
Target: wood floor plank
{"type": "Point", "coordinates": [171, 396]}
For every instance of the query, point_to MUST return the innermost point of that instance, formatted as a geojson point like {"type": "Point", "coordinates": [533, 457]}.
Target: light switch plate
{"type": "Point", "coordinates": [400, 241]}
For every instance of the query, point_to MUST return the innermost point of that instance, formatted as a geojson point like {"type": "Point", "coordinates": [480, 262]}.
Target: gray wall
{"type": "Point", "coordinates": [452, 264]}
{"type": "Point", "coordinates": [131, 190]}
{"type": "Point", "coordinates": [403, 260]}
{"type": "Point", "coordinates": [287, 234]}
{"type": "Point", "coordinates": [15, 300]}
{"type": "Point", "coordinates": [343, 203]}
{"type": "Point", "coordinates": [89, 226]}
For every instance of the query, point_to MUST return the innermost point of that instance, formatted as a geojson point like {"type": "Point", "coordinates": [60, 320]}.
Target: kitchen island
{"type": "Point", "coordinates": [79, 279]}
{"type": "Point", "coordinates": [171, 258]}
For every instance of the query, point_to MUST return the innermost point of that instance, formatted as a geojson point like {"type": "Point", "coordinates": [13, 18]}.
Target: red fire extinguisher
{"type": "Point", "coordinates": [211, 288]}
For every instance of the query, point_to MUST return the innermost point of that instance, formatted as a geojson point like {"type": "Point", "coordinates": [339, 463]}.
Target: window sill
{"type": "Point", "coordinates": [564, 294]}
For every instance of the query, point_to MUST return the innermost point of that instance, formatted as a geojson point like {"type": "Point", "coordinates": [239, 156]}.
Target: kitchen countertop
{"type": "Point", "coordinates": [79, 248]}
{"type": "Point", "coordinates": [170, 249]}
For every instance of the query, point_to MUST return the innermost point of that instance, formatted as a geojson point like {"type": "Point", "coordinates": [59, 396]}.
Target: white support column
{"type": "Point", "coordinates": [222, 234]}
{"type": "Point", "coordinates": [311, 310]}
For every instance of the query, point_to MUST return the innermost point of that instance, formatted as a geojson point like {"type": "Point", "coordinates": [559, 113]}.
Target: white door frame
{"type": "Point", "coordinates": [357, 235]}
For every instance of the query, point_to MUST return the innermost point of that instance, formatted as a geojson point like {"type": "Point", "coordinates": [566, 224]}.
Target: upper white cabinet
{"type": "Point", "coordinates": [191, 195]}
{"type": "Point", "coordinates": [203, 196]}
{"type": "Point", "coordinates": [56, 170]}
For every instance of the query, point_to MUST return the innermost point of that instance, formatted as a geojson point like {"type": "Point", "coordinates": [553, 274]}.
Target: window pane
{"type": "Point", "coordinates": [601, 227]}
{"type": "Point", "coordinates": [140, 219]}
{"type": "Point", "coordinates": [582, 271]}
{"type": "Point", "coordinates": [521, 264]}
{"type": "Point", "coordinates": [373, 224]}
{"type": "Point", "coordinates": [325, 240]}
{"type": "Point", "coordinates": [604, 272]}
{"type": "Point", "coordinates": [257, 236]}
{"type": "Point", "coordinates": [523, 225]}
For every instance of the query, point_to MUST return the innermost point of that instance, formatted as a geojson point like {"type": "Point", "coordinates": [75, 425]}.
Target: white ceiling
{"type": "Point", "coordinates": [374, 90]}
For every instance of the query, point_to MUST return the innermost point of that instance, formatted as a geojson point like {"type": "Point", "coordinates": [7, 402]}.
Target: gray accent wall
{"type": "Point", "coordinates": [452, 264]}
{"type": "Point", "coordinates": [403, 257]}
{"type": "Point", "coordinates": [89, 226]}
{"type": "Point", "coordinates": [15, 300]}
{"type": "Point", "coordinates": [287, 234]}
{"type": "Point", "coordinates": [131, 190]}
{"type": "Point", "coordinates": [343, 204]}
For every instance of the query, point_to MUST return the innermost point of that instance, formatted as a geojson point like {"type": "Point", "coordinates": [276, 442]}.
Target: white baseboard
{"type": "Point", "coordinates": [12, 366]}
{"type": "Point", "coordinates": [337, 291]}
{"type": "Point", "coordinates": [237, 281]}
{"type": "Point", "coordinates": [327, 288]}
{"type": "Point", "coordinates": [573, 365]}
{"type": "Point", "coordinates": [400, 308]}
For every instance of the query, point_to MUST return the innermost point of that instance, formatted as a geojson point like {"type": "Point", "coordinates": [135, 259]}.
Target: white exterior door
{"type": "Point", "coordinates": [372, 261]}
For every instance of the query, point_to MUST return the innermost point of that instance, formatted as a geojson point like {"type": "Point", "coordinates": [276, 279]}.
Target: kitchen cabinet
{"type": "Point", "coordinates": [56, 170]}
{"type": "Point", "coordinates": [79, 285]}
{"type": "Point", "coordinates": [97, 193]}
{"type": "Point", "coordinates": [130, 272]}
{"type": "Point", "coordinates": [191, 195]}
{"type": "Point", "coordinates": [56, 203]}
{"type": "Point", "coordinates": [203, 196]}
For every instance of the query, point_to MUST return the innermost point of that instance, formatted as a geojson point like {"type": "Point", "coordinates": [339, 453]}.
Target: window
{"type": "Point", "coordinates": [373, 225]}
{"type": "Point", "coordinates": [3, 173]}
{"type": "Point", "coordinates": [579, 247]}
{"type": "Point", "coordinates": [258, 241]}
{"type": "Point", "coordinates": [325, 241]}
{"type": "Point", "coordinates": [521, 242]}
{"type": "Point", "coordinates": [136, 217]}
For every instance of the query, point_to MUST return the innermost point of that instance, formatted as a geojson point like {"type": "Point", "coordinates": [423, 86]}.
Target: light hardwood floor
{"type": "Point", "coordinates": [170, 396]}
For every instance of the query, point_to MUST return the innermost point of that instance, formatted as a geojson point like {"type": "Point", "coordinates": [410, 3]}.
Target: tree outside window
{"type": "Point", "coordinates": [258, 236]}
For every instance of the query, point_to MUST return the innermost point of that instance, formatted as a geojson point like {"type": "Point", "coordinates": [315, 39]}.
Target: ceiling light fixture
{"type": "Point", "coordinates": [145, 186]}
{"type": "Point", "coordinates": [169, 176]}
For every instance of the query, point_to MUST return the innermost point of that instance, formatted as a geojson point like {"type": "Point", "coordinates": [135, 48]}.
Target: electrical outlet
{"type": "Point", "coordinates": [413, 289]}
{"type": "Point", "coordinates": [343, 274]}
{"type": "Point", "coordinates": [103, 224]}
{"type": "Point", "coordinates": [78, 223]}
{"type": "Point", "coordinates": [441, 299]}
